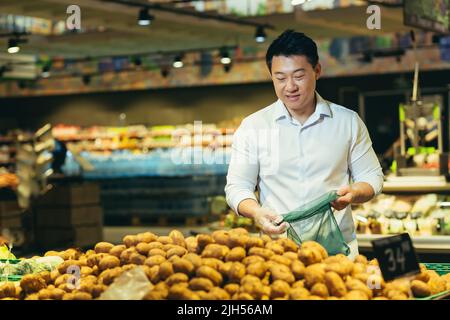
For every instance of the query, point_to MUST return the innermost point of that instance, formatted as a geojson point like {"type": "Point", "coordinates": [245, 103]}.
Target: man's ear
{"type": "Point", "coordinates": [318, 70]}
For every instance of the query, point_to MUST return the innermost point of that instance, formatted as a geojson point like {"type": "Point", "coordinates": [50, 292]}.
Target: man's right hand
{"type": "Point", "coordinates": [268, 221]}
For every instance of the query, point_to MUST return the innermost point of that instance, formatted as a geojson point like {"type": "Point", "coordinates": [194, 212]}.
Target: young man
{"type": "Point", "coordinates": [300, 147]}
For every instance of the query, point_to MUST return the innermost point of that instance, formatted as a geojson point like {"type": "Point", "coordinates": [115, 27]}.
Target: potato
{"type": "Point", "coordinates": [279, 288]}
{"type": "Point", "coordinates": [275, 248]}
{"type": "Point", "coordinates": [374, 262]}
{"type": "Point", "coordinates": [380, 298]}
{"type": "Point", "coordinates": [157, 252]}
{"type": "Point", "coordinates": [266, 238]}
{"type": "Point", "coordinates": [298, 269]}
{"type": "Point", "coordinates": [239, 231]}
{"type": "Point", "coordinates": [402, 285]}
{"type": "Point", "coordinates": [62, 279]}
{"type": "Point", "coordinates": [153, 274]}
{"type": "Point", "coordinates": [253, 286]}
{"type": "Point", "coordinates": [236, 254]}
{"type": "Point", "coordinates": [191, 244]}
{"type": "Point", "coordinates": [52, 253]}
{"type": "Point", "coordinates": [154, 260]}
{"type": "Point", "coordinates": [146, 237]}
{"type": "Point", "coordinates": [136, 258]}
{"type": "Point", "coordinates": [7, 290]}
{"type": "Point", "coordinates": [143, 248]}
{"type": "Point", "coordinates": [236, 273]}
{"type": "Point", "coordinates": [130, 241]}
{"type": "Point", "coordinates": [199, 283]}
{"type": "Point", "coordinates": [254, 242]}
{"type": "Point", "coordinates": [437, 285]}
{"type": "Point", "coordinates": [103, 247]}
{"type": "Point", "coordinates": [232, 288]}
{"type": "Point", "coordinates": [62, 268]}
{"type": "Point", "coordinates": [252, 259]}
{"type": "Point", "coordinates": [177, 278]}
{"type": "Point", "coordinates": [57, 294]}
{"type": "Point", "coordinates": [288, 245]}
{"type": "Point", "coordinates": [315, 245]}
{"type": "Point", "coordinates": [165, 240]}
{"type": "Point", "coordinates": [213, 263]}
{"type": "Point", "coordinates": [221, 237]}
{"type": "Point", "coordinates": [156, 245]}
{"type": "Point", "coordinates": [282, 272]}
{"type": "Point", "coordinates": [420, 289]}
{"type": "Point", "coordinates": [124, 256]}
{"type": "Point", "coordinates": [291, 255]}
{"type": "Point", "coordinates": [70, 254]}
{"type": "Point", "coordinates": [242, 296]}
{"type": "Point", "coordinates": [342, 268]}
{"type": "Point", "coordinates": [320, 289]}
{"type": "Point", "coordinates": [176, 251]}
{"type": "Point", "coordinates": [224, 268]}
{"type": "Point", "coordinates": [180, 292]}
{"type": "Point", "coordinates": [217, 294]}
{"type": "Point", "coordinates": [396, 295]}
{"type": "Point", "coordinates": [167, 247]}
{"type": "Point", "coordinates": [257, 269]}
{"type": "Point", "coordinates": [108, 276]}
{"type": "Point", "coordinates": [298, 293]}
{"type": "Point", "coordinates": [82, 296]}
{"type": "Point", "coordinates": [281, 260]}
{"type": "Point", "coordinates": [310, 256]}
{"type": "Point", "coordinates": [298, 284]}
{"type": "Point", "coordinates": [177, 238]}
{"type": "Point", "coordinates": [262, 252]}
{"type": "Point", "coordinates": [108, 262]}
{"type": "Point", "coordinates": [210, 273]}
{"type": "Point", "coordinates": [195, 259]}
{"type": "Point", "coordinates": [86, 271]}
{"type": "Point", "coordinates": [203, 240]}
{"type": "Point", "coordinates": [335, 284]}
{"type": "Point", "coordinates": [237, 240]}
{"type": "Point", "coordinates": [165, 270]}
{"type": "Point", "coordinates": [215, 251]}
{"type": "Point", "coordinates": [33, 296]}
{"type": "Point", "coordinates": [361, 259]}
{"type": "Point", "coordinates": [355, 284]}
{"type": "Point", "coordinates": [359, 268]}
{"type": "Point", "coordinates": [183, 266]}
{"type": "Point", "coordinates": [314, 274]}
{"type": "Point", "coordinates": [32, 283]}
{"type": "Point", "coordinates": [46, 276]}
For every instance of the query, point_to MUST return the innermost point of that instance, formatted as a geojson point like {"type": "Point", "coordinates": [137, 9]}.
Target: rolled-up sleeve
{"type": "Point", "coordinates": [363, 162]}
{"type": "Point", "coordinates": [243, 168]}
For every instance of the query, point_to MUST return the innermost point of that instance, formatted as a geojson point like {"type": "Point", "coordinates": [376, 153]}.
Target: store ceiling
{"type": "Point", "coordinates": [169, 32]}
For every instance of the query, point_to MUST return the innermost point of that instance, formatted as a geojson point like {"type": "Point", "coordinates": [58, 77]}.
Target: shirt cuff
{"type": "Point", "coordinates": [375, 181]}
{"type": "Point", "coordinates": [235, 200]}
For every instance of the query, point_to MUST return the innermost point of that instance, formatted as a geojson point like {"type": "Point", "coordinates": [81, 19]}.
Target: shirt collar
{"type": "Point", "coordinates": [322, 108]}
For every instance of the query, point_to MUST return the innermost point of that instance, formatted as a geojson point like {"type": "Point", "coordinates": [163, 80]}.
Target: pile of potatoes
{"type": "Point", "coordinates": [220, 266]}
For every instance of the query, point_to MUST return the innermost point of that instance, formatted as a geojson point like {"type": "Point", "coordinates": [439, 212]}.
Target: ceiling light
{"type": "Point", "coordinates": [178, 62]}
{"type": "Point", "coordinates": [225, 56]}
{"type": "Point", "coordinates": [260, 35]}
{"type": "Point", "coordinates": [13, 46]}
{"type": "Point", "coordinates": [144, 18]}
{"type": "Point", "coordinates": [45, 71]}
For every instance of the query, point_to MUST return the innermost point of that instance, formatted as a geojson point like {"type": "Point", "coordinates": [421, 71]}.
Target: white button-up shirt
{"type": "Point", "coordinates": [292, 163]}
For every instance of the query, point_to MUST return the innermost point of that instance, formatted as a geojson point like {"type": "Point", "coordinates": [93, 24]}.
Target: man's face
{"type": "Point", "coordinates": [294, 80]}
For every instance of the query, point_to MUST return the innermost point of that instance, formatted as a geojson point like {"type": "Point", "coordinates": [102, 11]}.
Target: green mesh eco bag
{"type": "Point", "coordinates": [315, 221]}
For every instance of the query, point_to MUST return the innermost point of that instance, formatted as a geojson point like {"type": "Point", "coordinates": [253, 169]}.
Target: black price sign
{"type": "Point", "coordinates": [396, 256]}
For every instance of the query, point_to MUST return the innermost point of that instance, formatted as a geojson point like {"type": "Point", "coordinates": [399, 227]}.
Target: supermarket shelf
{"type": "Point", "coordinates": [390, 187]}
{"type": "Point", "coordinates": [422, 244]}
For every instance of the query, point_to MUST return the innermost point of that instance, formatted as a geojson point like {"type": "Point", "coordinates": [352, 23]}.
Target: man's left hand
{"type": "Point", "coordinates": [345, 194]}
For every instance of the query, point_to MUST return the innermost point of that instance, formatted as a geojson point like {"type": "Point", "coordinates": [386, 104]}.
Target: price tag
{"type": "Point", "coordinates": [396, 256]}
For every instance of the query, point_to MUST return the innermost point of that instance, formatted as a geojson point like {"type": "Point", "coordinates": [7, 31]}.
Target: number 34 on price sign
{"type": "Point", "coordinates": [396, 256]}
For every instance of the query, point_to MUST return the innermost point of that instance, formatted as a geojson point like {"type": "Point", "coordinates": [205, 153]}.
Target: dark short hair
{"type": "Point", "coordinates": [292, 43]}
